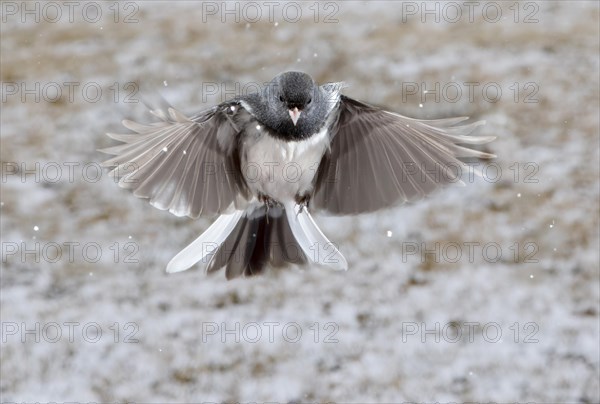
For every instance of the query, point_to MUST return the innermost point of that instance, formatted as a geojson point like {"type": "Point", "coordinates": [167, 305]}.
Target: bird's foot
{"type": "Point", "coordinates": [302, 202]}
{"type": "Point", "coordinates": [269, 202]}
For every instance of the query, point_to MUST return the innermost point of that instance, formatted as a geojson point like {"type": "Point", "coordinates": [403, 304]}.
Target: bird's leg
{"type": "Point", "coordinates": [303, 202]}
{"type": "Point", "coordinates": [267, 200]}
{"type": "Point", "coordinates": [269, 203]}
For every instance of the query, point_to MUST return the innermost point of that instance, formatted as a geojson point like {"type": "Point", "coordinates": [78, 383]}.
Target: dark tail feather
{"type": "Point", "coordinates": [261, 237]}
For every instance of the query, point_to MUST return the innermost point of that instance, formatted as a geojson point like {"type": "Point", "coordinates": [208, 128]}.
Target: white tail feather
{"type": "Point", "coordinates": [206, 244]}
{"type": "Point", "coordinates": [313, 242]}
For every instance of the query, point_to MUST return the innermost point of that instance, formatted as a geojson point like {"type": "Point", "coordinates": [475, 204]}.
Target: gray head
{"type": "Point", "coordinates": [292, 105]}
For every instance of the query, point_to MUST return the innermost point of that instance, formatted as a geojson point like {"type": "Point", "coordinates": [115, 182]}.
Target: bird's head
{"type": "Point", "coordinates": [291, 105]}
{"type": "Point", "coordinates": [295, 92]}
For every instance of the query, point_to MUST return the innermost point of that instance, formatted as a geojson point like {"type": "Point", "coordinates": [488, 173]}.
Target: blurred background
{"type": "Point", "coordinates": [484, 293]}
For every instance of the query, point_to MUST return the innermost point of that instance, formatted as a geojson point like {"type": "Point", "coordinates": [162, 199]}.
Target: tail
{"type": "Point", "coordinates": [245, 242]}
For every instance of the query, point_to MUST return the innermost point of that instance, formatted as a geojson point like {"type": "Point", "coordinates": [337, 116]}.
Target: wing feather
{"type": "Point", "coordinates": [379, 159]}
{"type": "Point", "coordinates": [184, 165]}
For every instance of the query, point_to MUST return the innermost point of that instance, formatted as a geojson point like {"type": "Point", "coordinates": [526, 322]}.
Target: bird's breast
{"type": "Point", "coordinates": [278, 168]}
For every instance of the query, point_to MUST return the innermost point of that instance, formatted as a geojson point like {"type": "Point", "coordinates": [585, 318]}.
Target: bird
{"type": "Point", "coordinates": [261, 162]}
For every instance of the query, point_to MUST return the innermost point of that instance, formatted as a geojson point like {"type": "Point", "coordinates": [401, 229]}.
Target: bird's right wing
{"type": "Point", "coordinates": [189, 166]}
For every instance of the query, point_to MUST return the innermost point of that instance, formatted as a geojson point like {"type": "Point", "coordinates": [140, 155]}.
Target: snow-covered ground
{"type": "Point", "coordinates": [504, 306]}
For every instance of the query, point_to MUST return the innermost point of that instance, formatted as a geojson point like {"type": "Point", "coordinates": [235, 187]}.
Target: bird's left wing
{"type": "Point", "coordinates": [379, 159]}
{"type": "Point", "coordinates": [189, 166]}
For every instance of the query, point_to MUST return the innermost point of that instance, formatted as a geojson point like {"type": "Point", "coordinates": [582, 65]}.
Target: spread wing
{"type": "Point", "coordinates": [379, 159]}
{"type": "Point", "coordinates": [189, 166]}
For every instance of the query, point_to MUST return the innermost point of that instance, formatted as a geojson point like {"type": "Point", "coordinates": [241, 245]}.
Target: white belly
{"type": "Point", "coordinates": [279, 169]}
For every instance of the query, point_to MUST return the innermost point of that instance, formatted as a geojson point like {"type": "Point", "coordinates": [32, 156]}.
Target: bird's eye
{"type": "Point", "coordinates": [281, 98]}
{"type": "Point", "coordinates": [309, 100]}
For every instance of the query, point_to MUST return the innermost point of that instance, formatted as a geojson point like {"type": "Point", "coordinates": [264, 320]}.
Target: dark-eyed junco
{"type": "Point", "coordinates": [261, 160]}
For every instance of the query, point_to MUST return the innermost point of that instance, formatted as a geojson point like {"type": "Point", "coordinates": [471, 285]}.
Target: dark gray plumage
{"type": "Point", "coordinates": [231, 160]}
{"type": "Point", "coordinates": [286, 92]}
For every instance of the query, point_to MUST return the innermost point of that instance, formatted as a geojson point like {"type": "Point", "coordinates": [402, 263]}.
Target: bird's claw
{"type": "Point", "coordinates": [268, 201]}
{"type": "Point", "coordinates": [302, 203]}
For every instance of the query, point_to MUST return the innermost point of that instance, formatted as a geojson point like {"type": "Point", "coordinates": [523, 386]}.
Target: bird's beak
{"type": "Point", "coordinates": [295, 115]}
